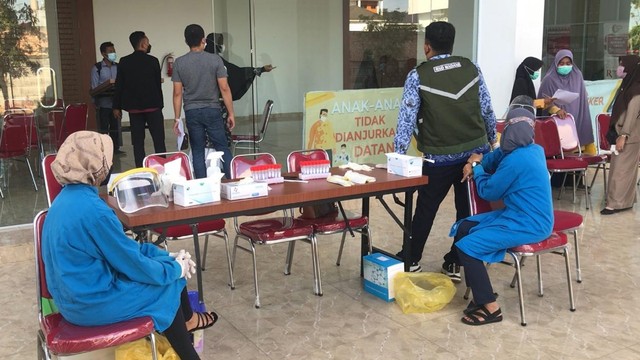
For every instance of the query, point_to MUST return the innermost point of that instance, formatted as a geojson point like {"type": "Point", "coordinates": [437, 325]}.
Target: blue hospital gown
{"type": "Point", "coordinates": [99, 276]}
{"type": "Point", "coordinates": [521, 180]}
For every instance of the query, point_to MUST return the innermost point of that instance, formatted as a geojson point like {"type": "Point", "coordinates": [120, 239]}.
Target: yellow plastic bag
{"type": "Point", "coordinates": [423, 292]}
{"type": "Point", "coordinates": [141, 350]}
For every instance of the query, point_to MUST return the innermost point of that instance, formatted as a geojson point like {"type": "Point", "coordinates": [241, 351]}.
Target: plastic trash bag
{"type": "Point", "coordinates": [423, 292]}
{"type": "Point", "coordinates": [141, 350]}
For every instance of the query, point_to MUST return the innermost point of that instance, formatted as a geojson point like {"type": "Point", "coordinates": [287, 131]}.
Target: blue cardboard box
{"type": "Point", "coordinates": [197, 337]}
{"type": "Point", "coordinates": [379, 271]}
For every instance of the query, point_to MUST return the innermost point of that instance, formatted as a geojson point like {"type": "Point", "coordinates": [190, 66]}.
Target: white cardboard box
{"type": "Point", "coordinates": [196, 191]}
{"type": "Point", "coordinates": [236, 190]}
{"type": "Point", "coordinates": [379, 272]}
{"type": "Point", "coordinates": [404, 165]}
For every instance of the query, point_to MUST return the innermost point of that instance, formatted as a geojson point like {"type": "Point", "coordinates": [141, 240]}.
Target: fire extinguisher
{"type": "Point", "coordinates": [169, 59]}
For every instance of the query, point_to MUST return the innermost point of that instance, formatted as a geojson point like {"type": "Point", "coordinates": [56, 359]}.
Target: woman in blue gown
{"type": "Point", "coordinates": [515, 173]}
{"type": "Point", "coordinates": [96, 274]}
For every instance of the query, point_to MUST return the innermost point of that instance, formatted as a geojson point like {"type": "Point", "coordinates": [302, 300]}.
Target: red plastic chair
{"type": "Point", "coordinates": [211, 227]}
{"type": "Point", "coordinates": [58, 337]}
{"type": "Point", "coordinates": [15, 140]}
{"type": "Point", "coordinates": [273, 230]}
{"type": "Point", "coordinates": [569, 222]}
{"type": "Point", "coordinates": [51, 184]}
{"type": "Point", "coordinates": [75, 119]}
{"type": "Point", "coordinates": [556, 243]}
{"type": "Point", "coordinates": [249, 141]}
{"type": "Point", "coordinates": [334, 222]}
{"type": "Point", "coordinates": [546, 135]}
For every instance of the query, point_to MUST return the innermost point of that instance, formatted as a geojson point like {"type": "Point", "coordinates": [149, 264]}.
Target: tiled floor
{"type": "Point", "coordinates": [348, 323]}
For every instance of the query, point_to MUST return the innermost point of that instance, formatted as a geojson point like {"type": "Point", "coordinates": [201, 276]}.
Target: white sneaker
{"type": "Point", "coordinates": [415, 267]}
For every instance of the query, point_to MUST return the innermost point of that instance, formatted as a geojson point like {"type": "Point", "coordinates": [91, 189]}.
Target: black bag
{"type": "Point", "coordinates": [185, 142]}
{"type": "Point", "coordinates": [612, 136]}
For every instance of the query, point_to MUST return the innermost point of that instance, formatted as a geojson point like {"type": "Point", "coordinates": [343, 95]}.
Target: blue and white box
{"type": "Point", "coordinates": [379, 272]}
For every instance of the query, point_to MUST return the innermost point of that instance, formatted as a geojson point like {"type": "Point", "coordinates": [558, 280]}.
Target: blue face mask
{"type": "Point", "coordinates": [112, 57]}
{"type": "Point", "coordinates": [564, 69]}
{"type": "Point", "coordinates": [535, 75]}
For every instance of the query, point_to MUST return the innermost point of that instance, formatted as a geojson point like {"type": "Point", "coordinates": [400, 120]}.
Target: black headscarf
{"type": "Point", "coordinates": [518, 132]}
{"type": "Point", "coordinates": [239, 78]}
{"type": "Point", "coordinates": [523, 85]}
{"type": "Point", "coordinates": [629, 88]}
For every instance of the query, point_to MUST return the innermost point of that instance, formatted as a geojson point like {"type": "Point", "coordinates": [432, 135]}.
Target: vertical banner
{"type": "Point", "coordinates": [353, 125]}
{"type": "Point", "coordinates": [601, 94]}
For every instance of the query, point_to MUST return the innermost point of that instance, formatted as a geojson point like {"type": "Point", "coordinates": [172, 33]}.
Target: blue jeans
{"type": "Point", "coordinates": [207, 123]}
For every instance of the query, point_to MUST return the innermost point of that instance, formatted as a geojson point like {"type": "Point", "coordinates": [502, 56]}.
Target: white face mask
{"type": "Point", "coordinates": [222, 48]}
{"type": "Point", "coordinates": [620, 72]}
{"type": "Point", "coordinates": [112, 57]}
{"type": "Point", "coordinates": [323, 117]}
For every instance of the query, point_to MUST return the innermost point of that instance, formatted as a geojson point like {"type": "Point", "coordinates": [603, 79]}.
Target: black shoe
{"type": "Point", "coordinates": [415, 267]}
{"type": "Point", "coordinates": [606, 211]}
{"type": "Point", "coordinates": [452, 270]}
{"type": "Point", "coordinates": [119, 152]}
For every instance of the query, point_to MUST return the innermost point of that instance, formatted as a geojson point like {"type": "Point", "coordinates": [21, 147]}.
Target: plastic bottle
{"type": "Point", "coordinates": [214, 163]}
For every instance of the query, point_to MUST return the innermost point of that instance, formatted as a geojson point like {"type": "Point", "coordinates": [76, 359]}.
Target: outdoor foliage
{"type": "Point", "coordinates": [17, 22]}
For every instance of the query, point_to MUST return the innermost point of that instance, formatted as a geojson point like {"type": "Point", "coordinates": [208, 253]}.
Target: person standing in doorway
{"type": "Point", "coordinates": [103, 71]}
{"type": "Point", "coordinates": [198, 77]}
{"type": "Point", "coordinates": [447, 100]}
{"type": "Point", "coordinates": [139, 92]}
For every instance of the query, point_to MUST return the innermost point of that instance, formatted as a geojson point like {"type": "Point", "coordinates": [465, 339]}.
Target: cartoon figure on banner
{"type": "Point", "coordinates": [343, 156]}
{"type": "Point", "coordinates": [321, 135]}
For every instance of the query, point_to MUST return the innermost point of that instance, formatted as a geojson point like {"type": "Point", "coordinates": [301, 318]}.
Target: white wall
{"type": "Point", "coordinates": [508, 32]}
{"type": "Point", "coordinates": [163, 21]}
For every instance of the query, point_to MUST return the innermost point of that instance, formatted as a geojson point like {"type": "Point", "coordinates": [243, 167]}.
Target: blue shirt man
{"type": "Point", "coordinates": [104, 71]}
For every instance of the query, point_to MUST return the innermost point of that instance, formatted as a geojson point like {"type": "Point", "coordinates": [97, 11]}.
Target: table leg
{"type": "Point", "coordinates": [406, 236]}
{"type": "Point", "coordinates": [196, 245]}
{"type": "Point", "coordinates": [364, 238]}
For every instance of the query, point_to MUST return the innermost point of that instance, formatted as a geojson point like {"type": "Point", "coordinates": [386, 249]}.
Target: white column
{"type": "Point", "coordinates": [508, 32]}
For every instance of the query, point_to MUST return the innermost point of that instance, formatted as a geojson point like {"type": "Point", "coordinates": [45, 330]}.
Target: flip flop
{"type": "Point", "coordinates": [487, 317]}
{"type": "Point", "coordinates": [205, 320]}
{"type": "Point", "coordinates": [472, 307]}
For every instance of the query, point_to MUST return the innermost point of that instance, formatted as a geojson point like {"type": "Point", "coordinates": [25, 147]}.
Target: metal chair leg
{"type": "Point", "coordinates": [344, 237]}
{"type": "Point", "coordinates": [539, 269]}
{"type": "Point", "coordinates": [316, 265]}
{"type": "Point", "coordinates": [578, 269]}
{"type": "Point", "coordinates": [517, 264]}
{"type": "Point", "coordinates": [290, 250]}
{"type": "Point", "coordinates": [154, 350]}
{"type": "Point", "coordinates": [31, 172]}
{"type": "Point", "coordinates": [572, 304]}
{"type": "Point", "coordinates": [255, 274]}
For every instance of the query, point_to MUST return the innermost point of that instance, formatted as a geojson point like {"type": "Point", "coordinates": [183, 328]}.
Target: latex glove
{"type": "Point", "coordinates": [356, 167]}
{"type": "Point", "coordinates": [340, 180]}
{"type": "Point", "coordinates": [176, 254]}
{"type": "Point", "coordinates": [184, 266]}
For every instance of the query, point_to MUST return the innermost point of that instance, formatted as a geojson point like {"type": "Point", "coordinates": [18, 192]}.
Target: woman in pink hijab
{"type": "Point", "coordinates": [563, 74]}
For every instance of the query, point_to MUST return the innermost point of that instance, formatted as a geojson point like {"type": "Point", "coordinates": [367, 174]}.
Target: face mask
{"type": "Point", "coordinates": [222, 48]}
{"type": "Point", "coordinates": [620, 72]}
{"type": "Point", "coordinates": [535, 75]}
{"type": "Point", "coordinates": [564, 69]}
{"type": "Point", "coordinates": [112, 57]}
{"type": "Point", "coordinates": [323, 117]}
{"type": "Point", "coordinates": [149, 49]}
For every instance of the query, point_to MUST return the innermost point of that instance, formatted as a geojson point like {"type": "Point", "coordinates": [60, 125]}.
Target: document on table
{"type": "Point", "coordinates": [564, 97]}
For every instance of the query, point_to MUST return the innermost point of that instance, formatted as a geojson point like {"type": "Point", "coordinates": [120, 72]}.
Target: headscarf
{"type": "Point", "coordinates": [573, 82]}
{"type": "Point", "coordinates": [239, 78]}
{"type": "Point", "coordinates": [523, 85]}
{"type": "Point", "coordinates": [85, 157]}
{"type": "Point", "coordinates": [518, 131]}
{"type": "Point", "coordinates": [629, 88]}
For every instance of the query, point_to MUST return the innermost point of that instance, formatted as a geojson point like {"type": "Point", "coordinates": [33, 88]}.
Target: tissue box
{"type": "Point", "coordinates": [404, 165]}
{"type": "Point", "coordinates": [236, 190]}
{"type": "Point", "coordinates": [196, 191]}
{"type": "Point", "coordinates": [197, 337]}
{"type": "Point", "coordinates": [379, 271]}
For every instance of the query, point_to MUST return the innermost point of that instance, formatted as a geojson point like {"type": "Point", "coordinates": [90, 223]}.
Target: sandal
{"type": "Point", "coordinates": [205, 320]}
{"type": "Point", "coordinates": [487, 317]}
{"type": "Point", "coordinates": [472, 307]}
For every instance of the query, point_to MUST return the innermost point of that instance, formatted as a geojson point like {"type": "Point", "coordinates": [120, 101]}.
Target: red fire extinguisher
{"type": "Point", "coordinates": [170, 65]}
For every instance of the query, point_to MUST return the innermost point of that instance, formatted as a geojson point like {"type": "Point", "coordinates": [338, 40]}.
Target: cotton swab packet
{"type": "Point", "coordinates": [358, 178]}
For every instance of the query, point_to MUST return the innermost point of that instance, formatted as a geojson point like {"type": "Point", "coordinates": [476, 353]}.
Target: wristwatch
{"type": "Point", "coordinates": [473, 164]}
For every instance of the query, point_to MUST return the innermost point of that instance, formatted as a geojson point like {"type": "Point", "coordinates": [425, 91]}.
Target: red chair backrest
{"type": "Point", "coordinates": [500, 126]}
{"type": "Point", "coordinates": [546, 135]}
{"type": "Point", "coordinates": [603, 127]}
{"type": "Point", "coordinates": [295, 157]}
{"type": "Point", "coordinates": [51, 185]}
{"type": "Point", "coordinates": [41, 280]}
{"type": "Point", "coordinates": [157, 162]}
{"type": "Point", "coordinates": [241, 164]}
{"type": "Point", "coordinates": [75, 119]}
{"type": "Point", "coordinates": [478, 205]}
{"type": "Point", "coordinates": [56, 118]}
{"type": "Point", "coordinates": [14, 140]}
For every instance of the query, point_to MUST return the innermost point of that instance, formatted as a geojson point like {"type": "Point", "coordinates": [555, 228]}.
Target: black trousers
{"type": "Point", "coordinates": [475, 272]}
{"type": "Point", "coordinates": [430, 196]}
{"type": "Point", "coordinates": [155, 122]}
{"type": "Point", "coordinates": [109, 125]}
{"type": "Point", "coordinates": [177, 333]}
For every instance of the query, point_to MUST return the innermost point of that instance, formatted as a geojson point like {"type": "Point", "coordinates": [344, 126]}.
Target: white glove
{"type": "Point", "coordinates": [184, 266]}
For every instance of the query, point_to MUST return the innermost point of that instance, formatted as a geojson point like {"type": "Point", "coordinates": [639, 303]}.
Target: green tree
{"type": "Point", "coordinates": [16, 23]}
